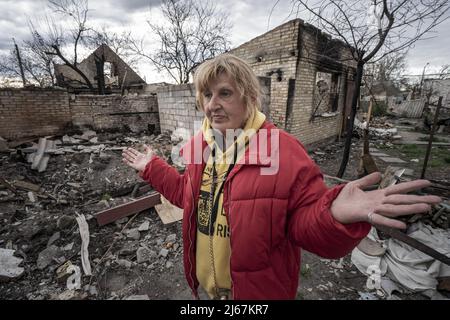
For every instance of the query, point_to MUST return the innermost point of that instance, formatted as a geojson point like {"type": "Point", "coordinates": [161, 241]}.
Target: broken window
{"type": "Point", "coordinates": [110, 74]}
{"type": "Point", "coordinates": [326, 94]}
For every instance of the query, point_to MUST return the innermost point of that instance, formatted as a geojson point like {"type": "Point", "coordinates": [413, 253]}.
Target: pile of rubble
{"type": "Point", "coordinates": [46, 186]}
{"type": "Point", "coordinates": [379, 128]}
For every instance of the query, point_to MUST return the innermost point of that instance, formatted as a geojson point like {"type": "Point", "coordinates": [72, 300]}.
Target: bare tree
{"type": "Point", "coordinates": [390, 67]}
{"type": "Point", "coordinates": [56, 41]}
{"type": "Point", "coordinates": [37, 66]}
{"type": "Point", "coordinates": [120, 43]}
{"type": "Point", "coordinates": [194, 31]}
{"type": "Point", "coordinates": [373, 29]}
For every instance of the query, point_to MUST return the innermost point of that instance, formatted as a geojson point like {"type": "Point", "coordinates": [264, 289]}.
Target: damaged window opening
{"type": "Point", "coordinates": [326, 94]}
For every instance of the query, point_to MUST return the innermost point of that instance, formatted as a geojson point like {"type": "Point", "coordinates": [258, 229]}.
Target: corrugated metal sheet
{"type": "Point", "coordinates": [409, 108]}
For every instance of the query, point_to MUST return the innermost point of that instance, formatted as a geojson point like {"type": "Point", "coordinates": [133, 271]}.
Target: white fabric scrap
{"type": "Point", "coordinates": [84, 232]}
{"type": "Point", "coordinates": [410, 267]}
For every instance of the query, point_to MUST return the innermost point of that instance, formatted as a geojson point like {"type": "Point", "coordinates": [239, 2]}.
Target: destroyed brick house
{"type": "Point", "coordinates": [311, 77]}
{"type": "Point", "coordinates": [306, 77]}
{"type": "Point", "coordinates": [117, 73]}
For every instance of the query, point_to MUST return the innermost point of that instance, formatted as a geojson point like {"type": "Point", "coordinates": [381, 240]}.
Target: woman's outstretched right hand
{"type": "Point", "coordinates": [135, 159]}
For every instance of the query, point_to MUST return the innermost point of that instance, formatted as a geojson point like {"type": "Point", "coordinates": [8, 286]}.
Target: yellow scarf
{"type": "Point", "coordinates": [213, 235]}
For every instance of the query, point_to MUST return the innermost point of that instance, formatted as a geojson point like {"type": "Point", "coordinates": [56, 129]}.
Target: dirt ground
{"type": "Point", "coordinates": [45, 235]}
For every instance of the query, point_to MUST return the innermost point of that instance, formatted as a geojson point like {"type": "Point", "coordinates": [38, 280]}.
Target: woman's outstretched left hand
{"type": "Point", "coordinates": [382, 206]}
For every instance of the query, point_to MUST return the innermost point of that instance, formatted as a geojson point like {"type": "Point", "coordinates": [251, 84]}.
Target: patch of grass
{"type": "Point", "coordinates": [106, 197]}
{"type": "Point", "coordinates": [305, 270]}
{"type": "Point", "coordinates": [412, 150]}
{"type": "Point", "coordinates": [435, 139]}
{"type": "Point", "coordinates": [439, 157]}
{"type": "Point", "coordinates": [379, 109]}
{"type": "Point", "coordinates": [300, 296]}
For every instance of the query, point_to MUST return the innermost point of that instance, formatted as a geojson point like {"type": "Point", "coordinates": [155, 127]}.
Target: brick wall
{"type": "Point", "coordinates": [40, 112]}
{"type": "Point", "coordinates": [177, 106]}
{"type": "Point", "coordinates": [114, 112]}
{"type": "Point", "coordinates": [273, 55]}
{"type": "Point", "coordinates": [317, 53]}
{"type": "Point", "coordinates": [33, 112]}
{"type": "Point", "coordinates": [291, 54]}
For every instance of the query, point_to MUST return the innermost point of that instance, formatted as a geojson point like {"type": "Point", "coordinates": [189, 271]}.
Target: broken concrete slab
{"type": "Point", "coordinates": [44, 161]}
{"type": "Point", "coordinates": [31, 196]}
{"type": "Point", "coordinates": [55, 237]}
{"type": "Point", "coordinates": [48, 255]}
{"type": "Point", "coordinates": [39, 153]}
{"type": "Point", "coordinates": [9, 265]}
{"type": "Point", "coordinates": [171, 237]}
{"type": "Point", "coordinates": [144, 226]}
{"type": "Point", "coordinates": [3, 145]}
{"type": "Point", "coordinates": [133, 234]}
{"type": "Point", "coordinates": [88, 135]}
{"type": "Point", "coordinates": [163, 253]}
{"type": "Point", "coordinates": [144, 254]}
{"type": "Point", "coordinates": [392, 160]}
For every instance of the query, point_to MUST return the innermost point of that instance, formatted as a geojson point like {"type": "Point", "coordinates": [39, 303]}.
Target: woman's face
{"type": "Point", "coordinates": [223, 104]}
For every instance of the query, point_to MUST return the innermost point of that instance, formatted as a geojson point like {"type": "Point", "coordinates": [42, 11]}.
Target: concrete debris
{"type": "Point", "coordinates": [48, 256]}
{"type": "Point", "coordinates": [3, 145]}
{"type": "Point", "coordinates": [163, 253]}
{"type": "Point", "coordinates": [53, 238]}
{"type": "Point", "coordinates": [124, 263]}
{"type": "Point", "coordinates": [144, 254]}
{"type": "Point", "coordinates": [87, 135]}
{"type": "Point", "coordinates": [24, 185]}
{"type": "Point", "coordinates": [133, 234]}
{"type": "Point", "coordinates": [171, 237]}
{"type": "Point", "coordinates": [63, 272]}
{"type": "Point", "coordinates": [144, 226]}
{"type": "Point", "coordinates": [84, 233]}
{"type": "Point", "coordinates": [9, 265]}
{"type": "Point", "coordinates": [65, 222]}
{"type": "Point", "coordinates": [82, 177]}
{"type": "Point", "coordinates": [31, 196]}
{"type": "Point", "coordinates": [70, 295]}
{"type": "Point", "coordinates": [138, 297]}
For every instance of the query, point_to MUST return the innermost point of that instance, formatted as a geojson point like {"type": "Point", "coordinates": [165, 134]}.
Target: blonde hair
{"type": "Point", "coordinates": [238, 70]}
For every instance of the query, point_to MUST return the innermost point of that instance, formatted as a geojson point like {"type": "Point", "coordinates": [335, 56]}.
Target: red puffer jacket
{"type": "Point", "coordinates": [270, 216]}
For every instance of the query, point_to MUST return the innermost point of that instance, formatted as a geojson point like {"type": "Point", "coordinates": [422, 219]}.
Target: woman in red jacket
{"type": "Point", "coordinates": [252, 197]}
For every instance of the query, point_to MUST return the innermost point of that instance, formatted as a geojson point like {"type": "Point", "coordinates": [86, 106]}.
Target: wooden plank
{"type": "Point", "coordinates": [7, 185]}
{"type": "Point", "coordinates": [110, 215]}
{"type": "Point", "coordinates": [20, 184]}
{"type": "Point", "coordinates": [397, 234]}
{"type": "Point", "coordinates": [168, 212]}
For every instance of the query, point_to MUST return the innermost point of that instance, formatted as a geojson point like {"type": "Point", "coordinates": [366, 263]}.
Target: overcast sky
{"type": "Point", "coordinates": [249, 18]}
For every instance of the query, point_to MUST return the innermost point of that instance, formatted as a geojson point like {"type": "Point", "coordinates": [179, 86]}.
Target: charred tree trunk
{"type": "Point", "coordinates": [100, 67]}
{"type": "Point", "coordinates": [351, 119]}
{"type": "Point", "coordinates": [19, 61]}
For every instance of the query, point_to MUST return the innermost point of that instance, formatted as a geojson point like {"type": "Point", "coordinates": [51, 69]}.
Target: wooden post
{"type": "Point", "coordinates": [430, 141]}
{"type": "Point", "coordinates": [19, 60]}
